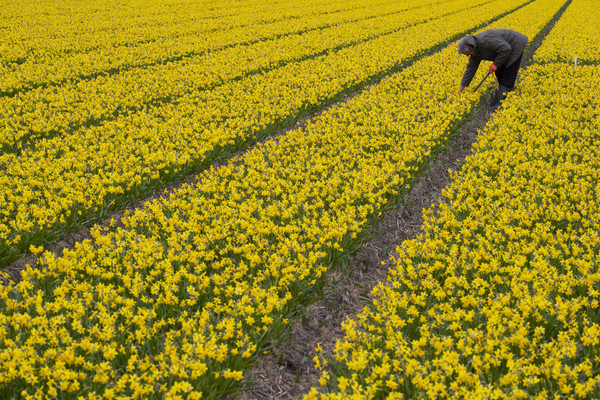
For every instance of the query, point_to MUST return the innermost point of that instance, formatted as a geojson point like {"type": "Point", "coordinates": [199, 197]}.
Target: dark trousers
{"type": "Point", "coordinates": [508, 75]}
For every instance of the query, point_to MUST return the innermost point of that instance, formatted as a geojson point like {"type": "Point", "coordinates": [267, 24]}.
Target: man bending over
{"type": "Point", "coordinates": [502, 46]}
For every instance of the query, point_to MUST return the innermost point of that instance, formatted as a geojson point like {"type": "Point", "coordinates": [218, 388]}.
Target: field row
{"type": "Point", "coordinates": [132, 24]}
{"type": "Point", "coordinates": [53, 188]}
{"type": "Point", "coordinates": [498, 297]}
{"type": "Point", "coordinates": [53, 66]}
{"type": "Point", "coordinates": [62, 110]}
{"type": "Point", "coordinates": [571, 45]}
{"type": "Point", "coordinates": [183, 298]}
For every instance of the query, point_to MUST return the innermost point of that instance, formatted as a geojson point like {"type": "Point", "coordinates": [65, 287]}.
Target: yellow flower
{"type": "Point", "coordinates": [36, 250]}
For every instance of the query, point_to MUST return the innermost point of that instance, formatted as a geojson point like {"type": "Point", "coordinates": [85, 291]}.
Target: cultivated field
{"type": "Point", "coordinates": [216, 163]}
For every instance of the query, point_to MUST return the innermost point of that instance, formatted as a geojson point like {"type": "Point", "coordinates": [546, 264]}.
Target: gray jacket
{"type": "Point", "coordinates": [502, 46]}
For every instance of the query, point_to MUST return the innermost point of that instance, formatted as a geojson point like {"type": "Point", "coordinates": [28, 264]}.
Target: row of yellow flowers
{"type": "Point", "coordinates": [41, 31]}
{"type": "Point", "coordinates": [575, 40]}
{"type": "Point", "coordinates": [48, 111]}
{"type": "Point", "coordinates": [195, 36]}
{"type": "Point", "coordinates": [499, 296]}
{"type": "Point", "coordinates": [26, 25]}
{"type": "Point", "coordinates": [181, 299]}
{"type": "Point", "coordinates": [56, 186]}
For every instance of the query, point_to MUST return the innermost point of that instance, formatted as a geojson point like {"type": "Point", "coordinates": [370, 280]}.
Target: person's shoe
{"type": "Point", "coordinates": [499, 97]}
{"type": "Point", "coordinates": [503, 90]}
{"type": "Point", "coordinates": [495, 99]}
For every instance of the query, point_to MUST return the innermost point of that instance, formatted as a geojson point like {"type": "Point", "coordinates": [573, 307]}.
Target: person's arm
{"type": "Point", "coordinates": [470, 71]}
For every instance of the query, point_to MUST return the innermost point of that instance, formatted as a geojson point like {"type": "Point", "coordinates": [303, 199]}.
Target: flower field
{"type": "Point", "coordinates": [63, 109]}
{"type": "Point", "coordinates": [57, 184]}
{"type": "Point", "coordinates": [498, 297]}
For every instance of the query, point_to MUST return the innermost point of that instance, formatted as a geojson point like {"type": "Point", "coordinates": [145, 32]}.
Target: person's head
{"type": "Point", "coordinates": [466, 46]}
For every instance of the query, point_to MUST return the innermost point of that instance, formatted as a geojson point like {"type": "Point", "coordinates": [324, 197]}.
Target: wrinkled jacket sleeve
{"type": "Point", "coordinates": [472, 66]}
{"type": "Point", "coordinates": [503, 50]}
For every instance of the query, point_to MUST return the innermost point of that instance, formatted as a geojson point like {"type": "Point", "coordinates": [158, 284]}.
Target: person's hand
{"type": "Point", "coordinates": [493, 68]}
{"type": "Point", "coordinates": [460, 89]}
